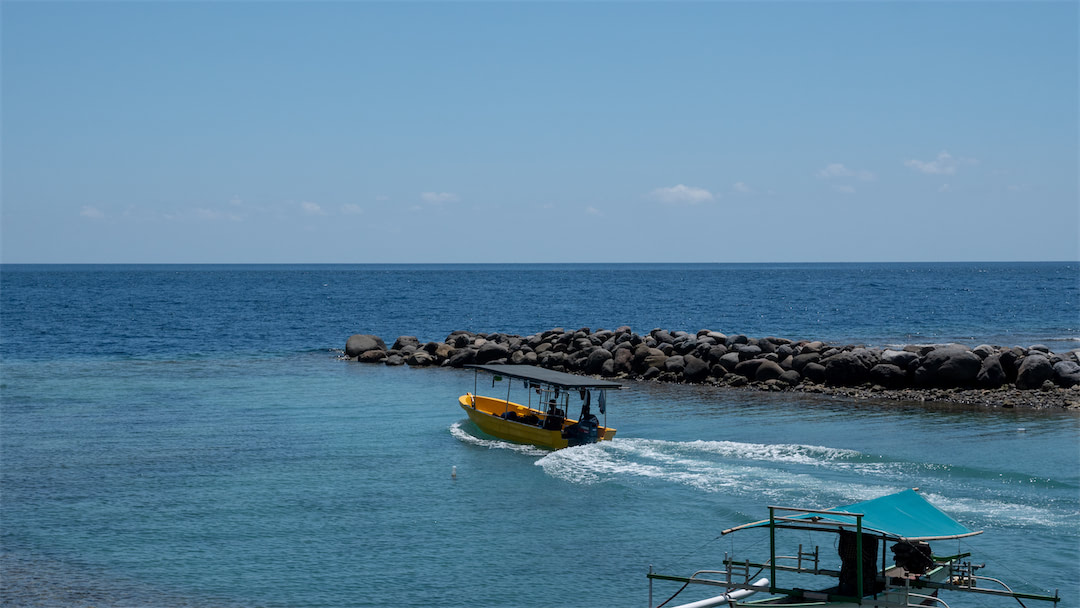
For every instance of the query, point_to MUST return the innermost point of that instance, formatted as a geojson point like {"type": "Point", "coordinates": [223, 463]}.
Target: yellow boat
{"type": "Point", "coordinates": [542, 420]}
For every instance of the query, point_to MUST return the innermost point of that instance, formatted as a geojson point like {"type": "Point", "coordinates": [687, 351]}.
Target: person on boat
{"type": "Point", "coordinates": [587, 417]}
{"type": "Point", "coordinates": [849, 563]}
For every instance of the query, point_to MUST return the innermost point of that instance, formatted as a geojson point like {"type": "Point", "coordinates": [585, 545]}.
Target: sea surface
{"type": "Point", "coordinates": [190, 436]}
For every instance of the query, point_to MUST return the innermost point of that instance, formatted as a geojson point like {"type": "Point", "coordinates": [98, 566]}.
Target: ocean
{"type": "Point", "coordinates": [190, 436]}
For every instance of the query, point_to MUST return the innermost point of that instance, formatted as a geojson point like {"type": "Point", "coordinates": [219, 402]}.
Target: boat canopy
{"type": "Point", "coordinates": [546, 376]}
{"type": "Point", "coordinates": [903, 516]}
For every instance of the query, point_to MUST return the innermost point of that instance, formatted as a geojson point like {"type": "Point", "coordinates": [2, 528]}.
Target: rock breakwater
{"type": "Point", "coordinates": [988, 375]}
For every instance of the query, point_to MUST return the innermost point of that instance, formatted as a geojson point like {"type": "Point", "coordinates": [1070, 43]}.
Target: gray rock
{"type": "Point", "coordinates": [404, 341]}
{"type": "Point", "coordinates": [595, 362]}
{"type": "Point", "coordinates": [372, 356]}
{"type": "Point", "coordinates": [768, 370]}
{"type": "Point", "coordinates": [490, 351]}
{"type": "Point", "coordinates": [748, 351]}
{"type": "Point", "coordinates": [420, 358]}
{"type": "Point", "coordinates": [899, 358]}
{"type": "Point", "coordinates": [1034, 370]}
{"type": "Point", "coordinates": [1067, 373]}
{"type": "Point", "coordinates": [801, 360]}
{"type": "Point", "coordinates": [623, 360]}
{"type": "Point", "coordinates": [715, 352]}
{"type": "Point", "coordinates": [849, 368]}
{"type": "Point", "coordinates": [948, 366]}
{"type": "Point", "coordinates": [791, 377]}
{"type": "Point", "coordinates": [719, 337]}
{"type": "Point", "coordinates": [662, 336]}
{"type": "Point", "coordinates": [675, 364]}
{"type": "Point", "coordinates": [651, 373]}
{"type": "Point", "coordinates": [748, 369]}
{"type": "Point", "coordinates": [888, 375]}
{"type": "Point", "coordinates": [991, 374]}
{"type": "Point", "coordinates": [729, 361]}
{"type": "Point", "coordinates": [814, 372]}
{"type": "Point", "coordinates": [608, 368]}
{"type": "Point", "coordinates": [656, 360]}
{"type": "Point", "coordinates": [462, 357]}
{"type": "Point", "coordinates": [459, 339]}
{"type": "Point", "coordinates": [695, 369]}
{"type": "Point", "coordinates": [361, 343]}
{"type": "Point", "coordinates": [395, 360]}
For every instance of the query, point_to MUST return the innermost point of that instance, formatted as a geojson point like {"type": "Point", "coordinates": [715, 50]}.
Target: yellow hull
{"type": "Point", "coordinates": [486, 413]}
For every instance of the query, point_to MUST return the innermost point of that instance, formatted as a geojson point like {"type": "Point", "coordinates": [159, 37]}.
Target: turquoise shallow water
{"type": "Point", "coordinates": [202, 453]}
{"type": "Point", "coordinates": [309, 481]}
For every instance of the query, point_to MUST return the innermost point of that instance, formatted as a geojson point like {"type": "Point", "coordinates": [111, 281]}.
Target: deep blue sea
{"type": "Point", "coordinates": [189, 436]}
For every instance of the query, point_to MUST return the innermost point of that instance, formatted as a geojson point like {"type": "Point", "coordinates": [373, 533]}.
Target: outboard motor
{"type": "Point", "coordinates": [915, 557]}
{"type": "Point", "coordinates": [582, 432]}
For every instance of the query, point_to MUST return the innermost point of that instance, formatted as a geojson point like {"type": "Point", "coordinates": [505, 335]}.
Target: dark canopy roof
{"type": "Point", "coordinates": [546, 376]}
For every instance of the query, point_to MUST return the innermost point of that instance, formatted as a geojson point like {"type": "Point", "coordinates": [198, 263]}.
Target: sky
{"type": "Point", "coordinates": [470, 132]}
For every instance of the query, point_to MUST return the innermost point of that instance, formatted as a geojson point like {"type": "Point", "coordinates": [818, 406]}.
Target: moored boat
{"type": "Point", "coordinates": [865, 533]}
{"type": "Point", "coordinates": [539, 416]}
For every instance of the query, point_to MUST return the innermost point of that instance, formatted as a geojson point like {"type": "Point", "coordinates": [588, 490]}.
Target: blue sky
{"type": "Point", "coordinates": [356, 132]}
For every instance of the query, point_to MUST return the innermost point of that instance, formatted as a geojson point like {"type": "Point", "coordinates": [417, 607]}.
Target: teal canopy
{"type": "Point", "coordinates": [904, 515]}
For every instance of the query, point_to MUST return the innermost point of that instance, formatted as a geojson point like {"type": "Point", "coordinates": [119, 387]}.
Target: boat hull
{"type": "Point", "coordinates": [487, 413]}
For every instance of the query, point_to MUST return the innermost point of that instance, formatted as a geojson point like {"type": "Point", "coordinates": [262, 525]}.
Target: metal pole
{"type": "Point", "coordinates": [858, 552]}
{"type": "Point", "coordinates": [772, 550]}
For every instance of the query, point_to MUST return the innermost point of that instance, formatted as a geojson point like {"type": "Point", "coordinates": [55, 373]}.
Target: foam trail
{"type": "Point", "coordinates": [690, 464]}
{"type": "Point", "coordinates": [461, 434]}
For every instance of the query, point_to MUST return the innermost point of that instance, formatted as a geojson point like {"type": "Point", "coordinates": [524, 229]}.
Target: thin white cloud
{"type": "Point", "coordinates": [438, 198]}
{"type": "Point", "coordinates": [593, 211]}
{"type": "Point", "coordinates": [944, 164]}
{"type": "Point", "coordinates": [681, 195]}
{"type": "Point", "coordinates": [839, 170]}
{"type": "Point", "coordinates": [846, 189]}
{"type": "Point", "coordinates": [211, 215]}
{"type": "Point", "coordinates": [945, 188]}
{"type": "Point", "coordinates": [352, 209]}
{"type": "Point", "coordinates": [311, 208]}
{"type": "Point", "coordinates": [742, 188]}
{"type": "Point", "coordinates": [91, 212]}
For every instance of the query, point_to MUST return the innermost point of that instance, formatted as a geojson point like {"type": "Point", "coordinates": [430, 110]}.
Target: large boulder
{"type": "Point", "coordinates": [357, 344]}
{"type": "Point", "coordinates": [594, 364]}
{"type": "Point", "coordinates": [991, 373]}
{"type": "Point", "coordinates": [675, 364]}
{"type": "Point", "coordinates": [729, 361]}
{"type": "Point", "coordinates": [900, 358]}
{"type": "Point", "coordinates": [1034, 370]}
{"type": "Point", "coordinates": [798, 362]}
{"type": "Point", "coordinates": [814, 372]}
{"type": "Point", "coordinates": [404, 342]}
{"type": "Point", "coordinates": [948, 366]}
{"type": "Point", "coordinates": [623, 360]}
{"type": "Point", "coordinates": [748, 369]}
{"type": "Point", "coordinates": [462, 357]}
{"type": "Point", "coordinates": [1067, 373]}
{"type": "Point", "coordinates": [768, 370]}
{"type": "Point", "coordinates": [849, 368]}
{"type": "Point", "coordinates": [695, 369]}
{"type": "Point", "coordinates": [491, 351]}
{"type": "Point", "coordinates": [888, 375]}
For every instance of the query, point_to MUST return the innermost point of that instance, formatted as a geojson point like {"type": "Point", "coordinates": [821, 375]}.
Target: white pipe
{"type": "Point", "coordinates": [738, 594]}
